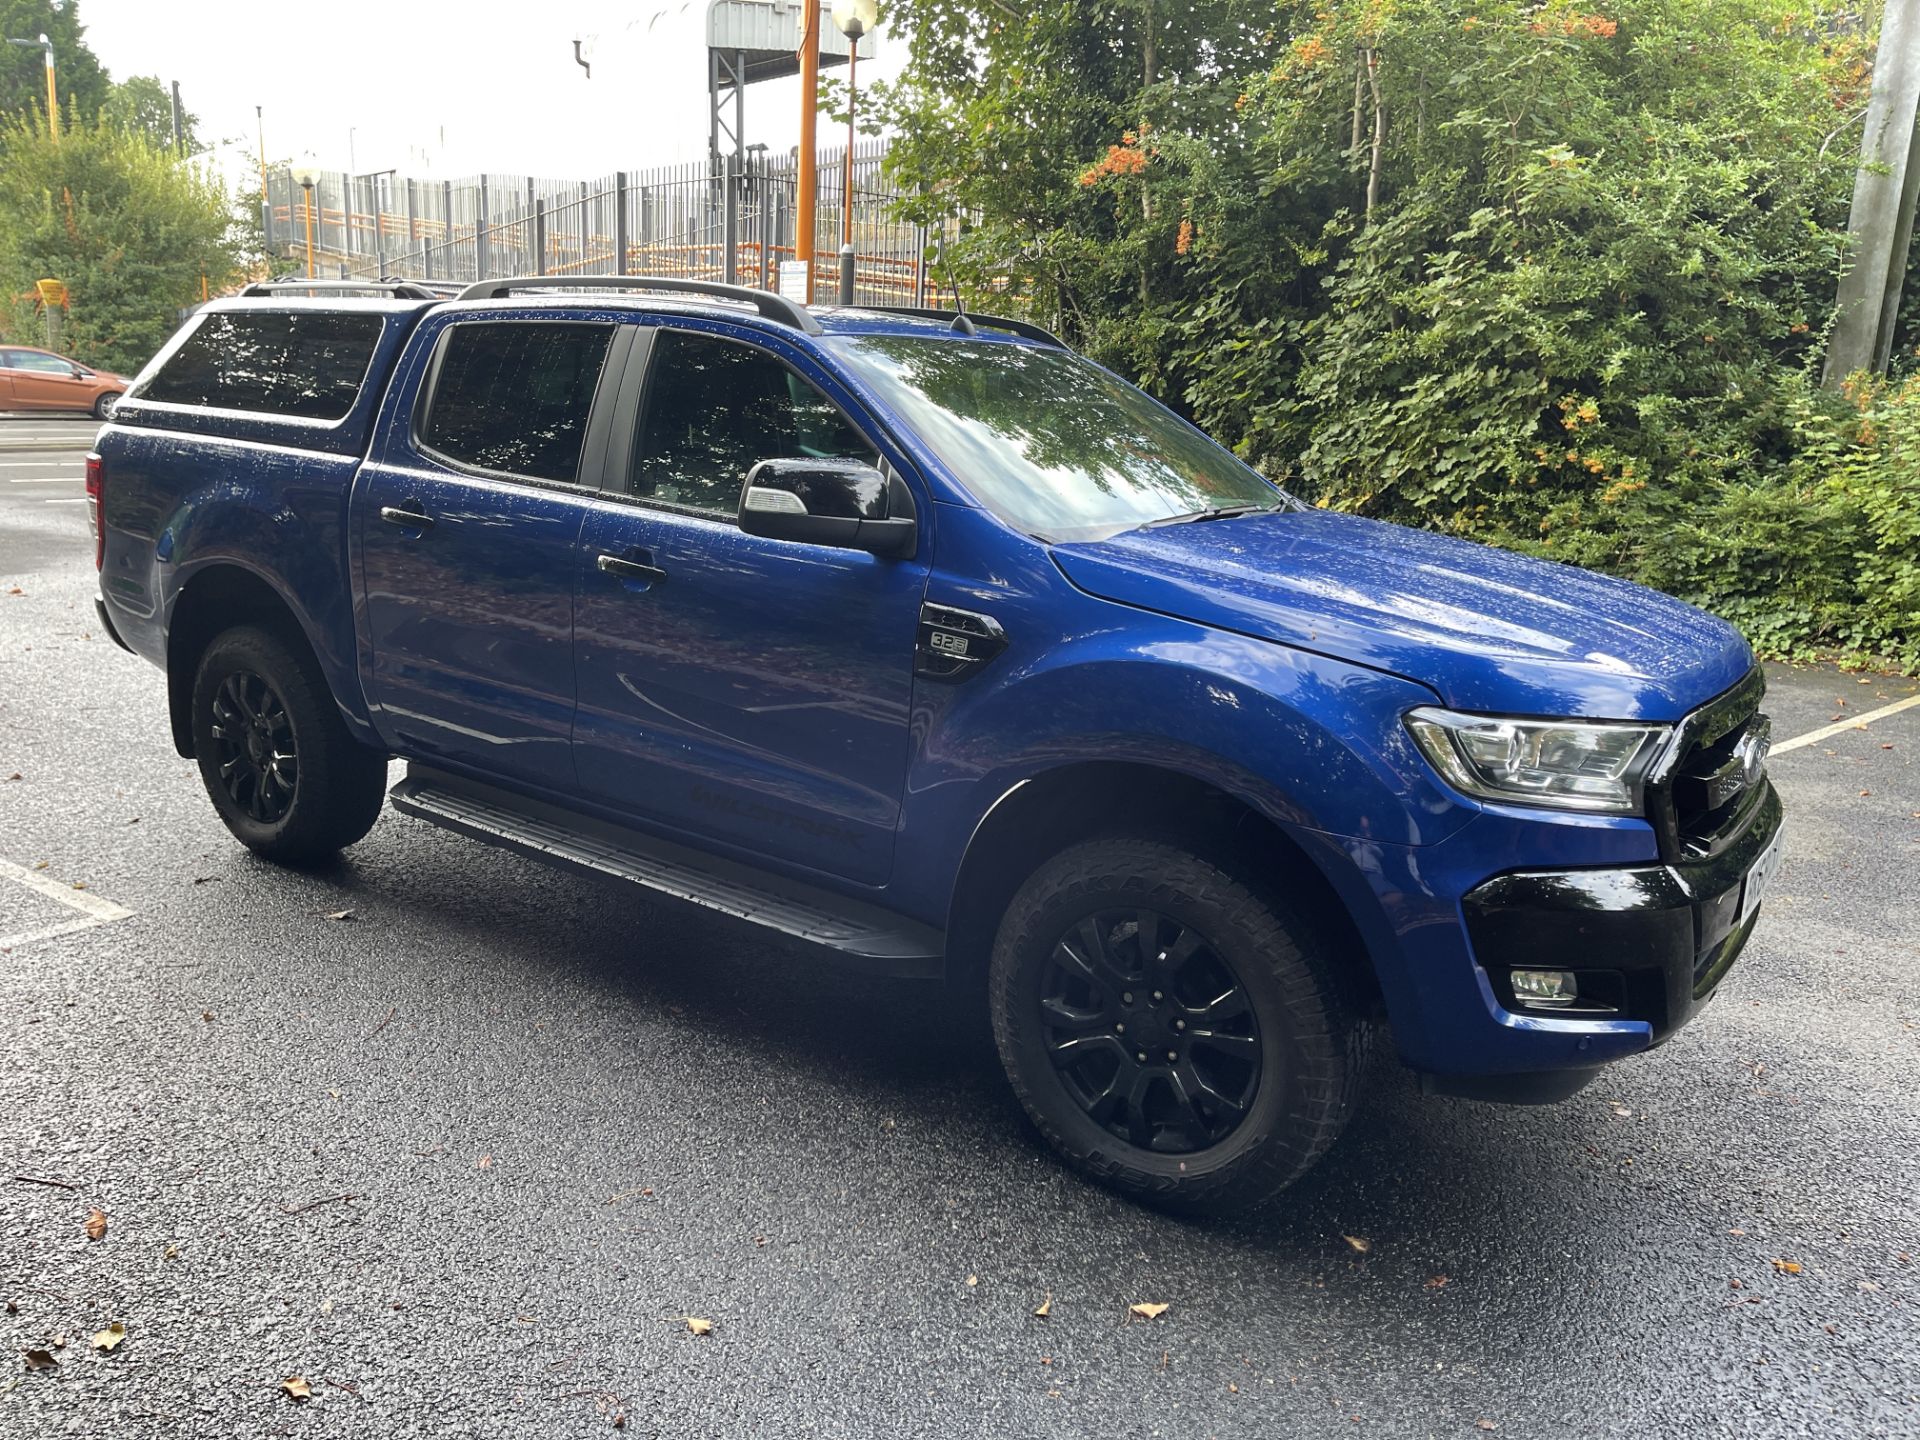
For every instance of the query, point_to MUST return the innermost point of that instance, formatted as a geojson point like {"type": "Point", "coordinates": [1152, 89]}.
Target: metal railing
{"type": "Point", "coordinates": [736, 223]}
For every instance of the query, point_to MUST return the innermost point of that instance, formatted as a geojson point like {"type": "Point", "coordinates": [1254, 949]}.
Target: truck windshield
{"type": "Point", "coordinates": [1051, 443]}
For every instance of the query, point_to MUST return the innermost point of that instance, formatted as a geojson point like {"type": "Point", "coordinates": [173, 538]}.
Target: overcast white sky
{"type": "Point", "coordinates": [443, 89]}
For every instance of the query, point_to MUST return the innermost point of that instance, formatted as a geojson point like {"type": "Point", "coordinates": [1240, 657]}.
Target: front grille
{"type": "Point", "coordinates": [1713, 777]}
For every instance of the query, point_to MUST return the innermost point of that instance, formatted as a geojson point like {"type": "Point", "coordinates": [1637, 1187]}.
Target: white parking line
{"type": "Point", "coordinates": [1856, 722]}
{"type": "Point", "coordinates": [41, 464]}
{"type": "Point", "coordinates": [81, 501]}
{"type": "Point", "coordinates": [93, 910]}
{"type": "Point", "coordinates": [41, 479]}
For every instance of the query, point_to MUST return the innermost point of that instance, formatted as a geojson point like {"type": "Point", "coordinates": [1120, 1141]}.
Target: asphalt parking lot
{"type": "Point", "coordinates": [463, 1145]}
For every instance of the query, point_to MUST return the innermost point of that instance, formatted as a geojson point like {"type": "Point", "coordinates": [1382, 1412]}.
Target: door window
{"type": "Point", "coordinates": [514, 396]}
{"type": "Point", "coordinates": [46, 364]}
{"type": "Point", "coordinates": [716, 408]}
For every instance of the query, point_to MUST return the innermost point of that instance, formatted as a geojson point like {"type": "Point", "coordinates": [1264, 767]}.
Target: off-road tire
{"type": "Point", "coordinates": [1312, 1042]}
{"type": "Point", "coordinates": [337, 783]}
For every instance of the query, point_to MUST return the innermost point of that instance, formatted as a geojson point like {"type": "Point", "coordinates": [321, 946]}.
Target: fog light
{"type": "Point", "coordinates": [1545, 988]}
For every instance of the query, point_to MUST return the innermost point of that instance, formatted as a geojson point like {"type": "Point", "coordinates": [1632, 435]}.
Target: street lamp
{"type": "Point", "coordinates": [306, 175]}
{"type": "Point", "coordinates": [53, 104]}
{"type": "Point", "coordinates": [854, 18]}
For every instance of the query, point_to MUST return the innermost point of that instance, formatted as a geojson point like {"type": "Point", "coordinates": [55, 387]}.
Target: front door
{"type": "Point", "coordinates": [45, 382]}
{"type": "Point", "coordinates": [750, 691]}
{"type": "Point", "coordinates": [469, 533]}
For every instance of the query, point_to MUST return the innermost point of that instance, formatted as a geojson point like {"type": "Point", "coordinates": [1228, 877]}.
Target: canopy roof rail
{"type": "Point", "coordinates": [399, 289]}
{"type": "Point", "coordinates": [776, 308]}
{"type": "Point", "coordinates": [966, 322]}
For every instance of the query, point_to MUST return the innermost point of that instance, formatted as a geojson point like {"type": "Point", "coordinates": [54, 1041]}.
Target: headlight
{"type": "Point", "coordinates": [1593, 765]}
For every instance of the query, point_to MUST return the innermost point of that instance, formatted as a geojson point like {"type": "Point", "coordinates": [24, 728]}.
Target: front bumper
{"type": "Point", "coordinates": [1649, 943]}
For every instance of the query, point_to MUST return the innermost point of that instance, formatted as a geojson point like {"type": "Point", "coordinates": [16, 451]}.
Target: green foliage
{"type": "Point", "coordinates": [143, 105]}
{"type": "Point", "coordinates": [78, 79]}
{"type": "Point", "coordinates": [129, 228]}
{"type": "Point", "coordinates": [1553, 274]}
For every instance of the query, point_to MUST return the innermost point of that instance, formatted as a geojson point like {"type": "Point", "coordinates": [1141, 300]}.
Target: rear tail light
{"type": "Point", "coordinates": [96, 493]}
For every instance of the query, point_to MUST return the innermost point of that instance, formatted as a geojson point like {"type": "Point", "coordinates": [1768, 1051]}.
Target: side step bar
{"type": "Point", "coordinates": [872, 938]}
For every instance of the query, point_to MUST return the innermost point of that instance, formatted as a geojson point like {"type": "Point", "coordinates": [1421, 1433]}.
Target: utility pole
{"type": "Point", "coordinates": [53, 100]}
{"type": "Point", "coordinates": [261, 121]}
{"type": "Point", "coordinates": [179, 139]}
{"type": "Point", "coordinates": [1884, 193]}
{"type": "Point", "coordinates": [806, 187]}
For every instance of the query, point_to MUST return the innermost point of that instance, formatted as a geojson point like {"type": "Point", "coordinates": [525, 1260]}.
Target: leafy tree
{"type": "Point", "coordinates": [1546, 272]}
{"type": "Point", "coordinates": [145, 106]}
{"type": "Point", "coordinates": [78, 78]}
{"type": "Point", "coordinates": [129, 228]}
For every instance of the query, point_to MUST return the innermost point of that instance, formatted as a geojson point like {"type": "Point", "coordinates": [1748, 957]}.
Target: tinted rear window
{"type": "Point", "coordinates": [514, 396]}
{"type": "Point", "coordinates": [311, 365]}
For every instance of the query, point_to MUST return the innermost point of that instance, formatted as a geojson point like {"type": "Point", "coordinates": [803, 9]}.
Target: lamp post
{"type": "Point", "coordinates": [53, 103]}
{"type": "Point", "coordinates": [306, 174]}
{"type": "Point", "coordinates": [854, 18]}
{"type": "Point", "coordinates": [260, 119]}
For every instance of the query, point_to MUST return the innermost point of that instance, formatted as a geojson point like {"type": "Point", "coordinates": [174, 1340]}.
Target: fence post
{"type": "Point", "coordinates": [266, 224]}
{"type": "Point", "coordinates": [846, 274]}
{"type": "Point", "coordinates": [730, 223]}
{"type": "Point", "coordinates": [479, 229]}
{"type": "Point", "coordinates": [539, 237]}
{"type": "Point", "coordinates": [413, 233]}
{"type": "Point", "coordinates": [620, 223]}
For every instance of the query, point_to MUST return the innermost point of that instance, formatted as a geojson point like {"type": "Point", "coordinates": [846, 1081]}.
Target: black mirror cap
{"type": "Point", "coordinates": [842, 503]}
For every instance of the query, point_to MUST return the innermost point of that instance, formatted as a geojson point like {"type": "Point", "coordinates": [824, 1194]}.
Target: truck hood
{"type": "Point", "coordinates": [1487, 630]}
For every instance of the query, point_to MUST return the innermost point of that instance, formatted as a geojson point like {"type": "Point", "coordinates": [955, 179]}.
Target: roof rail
{"type": "Point", "coordinates": [966, 322]}
{"type": "Point", "coordinates": [771, 306]}
{"type": "Point", "coordinates": [402, 289]}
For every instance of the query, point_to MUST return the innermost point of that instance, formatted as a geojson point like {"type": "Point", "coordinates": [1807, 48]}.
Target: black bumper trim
{"type": "Point", "coordinates": [1670, 932]}
{"type": "Point", "coordinates": [106, 623]}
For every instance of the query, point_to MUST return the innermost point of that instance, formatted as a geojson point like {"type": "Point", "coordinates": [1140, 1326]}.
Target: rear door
{"type": "Point", "coordinates": [469, 528]}
{"type": "Point", "coordinates": [738, 689]}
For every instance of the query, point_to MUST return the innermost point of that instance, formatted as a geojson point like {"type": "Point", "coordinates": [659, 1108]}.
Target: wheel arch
{"type": "Point", "coordinates": [215, 600]}
{"type": "Point", "coordinates": [1043, 814]}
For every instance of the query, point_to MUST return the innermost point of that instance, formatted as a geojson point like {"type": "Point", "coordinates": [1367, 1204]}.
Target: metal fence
{"type": "Point", "coordinates": [736, 223]}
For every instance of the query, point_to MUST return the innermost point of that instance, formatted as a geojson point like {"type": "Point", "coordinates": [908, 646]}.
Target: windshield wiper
{"type": "Point", "coordinates": [1220, 512]}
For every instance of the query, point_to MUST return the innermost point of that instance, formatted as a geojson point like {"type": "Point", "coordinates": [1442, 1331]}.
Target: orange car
{"type": "Point", "coordinates": [40, 380]}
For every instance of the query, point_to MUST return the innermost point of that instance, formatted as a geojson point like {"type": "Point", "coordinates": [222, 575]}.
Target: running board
{"type": "Point", "coordinates": [866, 935]}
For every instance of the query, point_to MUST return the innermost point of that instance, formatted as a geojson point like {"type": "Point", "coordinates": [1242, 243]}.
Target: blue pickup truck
{"type": "Point", "coordinates": [922, 639]}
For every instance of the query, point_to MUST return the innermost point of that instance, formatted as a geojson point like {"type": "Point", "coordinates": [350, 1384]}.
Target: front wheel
{"type": "Point", "coordinates": [1172, 1033]}
{"type": "Point", "coordinates": [276, 758]}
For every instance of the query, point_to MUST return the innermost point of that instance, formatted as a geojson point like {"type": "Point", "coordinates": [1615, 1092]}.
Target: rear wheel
{"type": "Point", "coordinates": [1172, 1032]}
{"type": "Point", "coordinates": [276, 758]}
{"type": "Point", "coordinates": [103, 407]}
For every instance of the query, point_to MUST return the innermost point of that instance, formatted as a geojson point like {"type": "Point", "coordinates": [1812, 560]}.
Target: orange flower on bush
{"type": "Point", "coordinates": [1119, 160]}
{"type": "Point", "coordinates": [1183, 242]}
{"type": "Point", "coordinates": [1307, 53]}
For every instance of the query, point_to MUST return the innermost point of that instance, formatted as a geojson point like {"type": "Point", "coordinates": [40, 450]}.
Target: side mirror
{"type": "Point", "coordinates": [842, 503]}
{"type": "Point", "coordinates": [80, 372]}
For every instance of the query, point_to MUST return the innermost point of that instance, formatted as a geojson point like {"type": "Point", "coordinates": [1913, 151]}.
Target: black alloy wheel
{"type": "Point", "coordinates": [288, 779]}
{"type": "Point", "coordinates": [1151, 1031]}
{"type": "Point", "coordinates": [257, 752]}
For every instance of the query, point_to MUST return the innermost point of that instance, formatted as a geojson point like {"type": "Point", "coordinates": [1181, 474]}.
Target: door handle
{"type": "Point", "coordinates": [406, 519]}
{"type": "Point", "coordinates": [630, 569]}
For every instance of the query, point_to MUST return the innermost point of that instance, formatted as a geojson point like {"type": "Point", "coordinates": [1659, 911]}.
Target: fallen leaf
{"type": "Point", "coordinates": [40, 1360]}
{"type": "Point", "coordinates": [110, 1337]}
{"type": "Point", "coordinates": [1045, 1307]}
{"type": "Point", "coordinates": [326, 1306]}
{"type": "Point", "coordinates": [1736, 1231]}
{"type": "Point", "coordinates": [81, 884]}
{"type": "Point", "coordinates": [14, 776]}
{"type": "Point", "coordinates": [13, 1307]}
{"type": "Point", "coordinates": [1787, 1267]}
{"type": "Point", "coordinates": [1232, 1389]}
{"type": "Point", "coordinates": [207, 1015]}
{"type": "Point", "coordinates": [485, 1162]}
{"type": "Point", "coordinates": [296, 1388]}
{"type": "Point", "coordinates": [340, 915]}
{"type": "Point", "coordinates": [1863, 795]}
{"type": "Point", "coordinates": [172, 1252]}
{"type": "Point", "coordinates": [619, 1419]}
{"type": "Point", "coordinates": [1621, 1110]}
{"type": "Point", "coordinates": [1735, 1285]}
{"type": "Point", "coordinates": [972, 1280]}
{"type": "Point", "coordinates": [97, 1225]}
{"type": "Point", "coordinates": [699, 1326]}
{"type": "Point", "coordinates": [1359, 1242]}
{"type": "Point", "coordinates": [1868, 1286]}
{"type": "Point", "coordinates": [1438, 1282]}
{"type": "Point", "coordinates": [1485, 1425]}
{"type": "Point", "coordinates": [1148, 1310]}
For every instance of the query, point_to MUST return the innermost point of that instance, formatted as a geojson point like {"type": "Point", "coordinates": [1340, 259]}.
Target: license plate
{"type": "Point", "coordinates": [1759, 875]}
